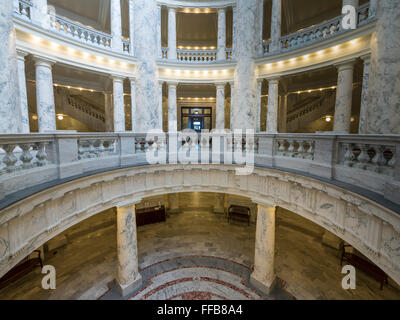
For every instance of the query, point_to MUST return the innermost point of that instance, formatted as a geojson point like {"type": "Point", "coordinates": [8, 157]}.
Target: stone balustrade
{"type": "Point", "coordinates": [23, 8]}
{"type": "Point", "coordinates": [79, 32]}
{"type": "Point", "coordinates": [197, 55]}
{"type": "Point", "coordinates": [368, 162]}
{"type": "Point", "coordinates": [319, 32]}
{"type": "Point", "coordinates": [126, 46]}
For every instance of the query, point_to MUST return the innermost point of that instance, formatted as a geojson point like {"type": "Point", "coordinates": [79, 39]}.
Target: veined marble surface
{"type": "Point", "coordinates": [147, 100]}
{"type": "Point", "coordinates": [244, 110]}
{"type": "Point", "coordinates": [119, 108]}
{"type": "Point", "coordinates": [383, 99]}
{"type": "Point", "coordinates": [9, 114]}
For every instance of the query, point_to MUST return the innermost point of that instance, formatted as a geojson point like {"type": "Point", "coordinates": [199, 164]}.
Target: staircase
{"type": "Point", "coordinates": [309, 110]}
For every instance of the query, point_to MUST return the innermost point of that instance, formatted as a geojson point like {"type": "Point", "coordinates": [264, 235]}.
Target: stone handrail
{"type": "Point", "coordinates": [319, 32]}
{"type": "Point", "coordinates": [197, 55]}
{"type": "Point", "coordinates": [79, 32]}
{"type": "Point", "coordinates": [362, 161]}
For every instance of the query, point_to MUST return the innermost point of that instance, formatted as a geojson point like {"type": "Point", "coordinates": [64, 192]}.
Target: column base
{"type": "Point", "coordinates": [265, 288]}
{"type": "Point", "coordinates": [125, 289]}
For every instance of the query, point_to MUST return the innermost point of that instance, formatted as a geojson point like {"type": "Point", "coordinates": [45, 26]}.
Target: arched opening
{"type": "Point", "coordinates": [196, 248]}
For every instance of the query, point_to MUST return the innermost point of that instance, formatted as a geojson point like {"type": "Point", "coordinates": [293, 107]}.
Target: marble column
{"type": "Point", "coordinates": [220, 111]}
{"type": "Point", "coordinates": [145, 35]}
{"type": "Point", "coordinates": [261, 29]}
{"type": "Point", "coordinates": [119, 105]}
{"type": "Point", "coordinates": [263, 276]}
{"type": "Point", "coordinates": [45, 95]}
{"type": "Point", "coordinates": [259, 100]}
{"type": "Point", "coordinates": [133, 103]}
{"type": "Point", "coordinates": [344, 97]}
{"type": "Point", "coordinates": [383, 97]}
{"type": "Point", "coordinates": [363, 110]}
{"type": "Point", "coordinates": [283, 114]}
{"type": "Point", "coordinates": [221, 47]}
{"type": "Point", "coordinates": [172, 55]}
{"type": "Point", "coordinates": [116, 25]}
{"type": "Point", "coordinates": [10, 115]}
{"type": "Point", "coordinates": [109, 114]}
{"type": "Point", "coordinates": [273, 104]}
{"type": "Point", "coordinates": [232, 85]}
{"type": "Point", "coordinates": [159, 30]}
{"type": "Point", "coordinates": [128, 276]}
{"type": "Point", "coordinates": [131, 28]}
{"type": "Point", "coordinates": [23, 98]}
{"type": "Point", "coordinates": [276, 19]}
{"type": "Point", "coordinates": [172, 107]}
{"type": "Point", "coordinates": [244, 111]}
{"type": "Point", "coordinates": [160, 102]}
{"type": "Point", "coordinates": [219, 204]}
{"type": "Point", "coordinates": [39, 13]}
{"type": "Point", "coordinates": [234, 31]}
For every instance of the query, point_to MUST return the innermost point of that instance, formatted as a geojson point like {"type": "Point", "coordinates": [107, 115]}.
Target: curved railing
{"type": "Point", "coordinates": [320, 32]}
{"type": "Point", "coordinates": [197, 55]}
{"type": "Point", "coordinates": [66, 178]}
{"type": "Point", "coordinates": [361, 162]}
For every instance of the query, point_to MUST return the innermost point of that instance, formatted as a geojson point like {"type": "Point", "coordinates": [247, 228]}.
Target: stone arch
{"type": "Point", "coordinates": [369, 227]}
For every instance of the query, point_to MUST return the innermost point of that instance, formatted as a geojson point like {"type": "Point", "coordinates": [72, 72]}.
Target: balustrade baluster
{"type": "Point", "coordinates": [26, 156]}
{"type": "Point", "coordinates": [363, 157]}
{"type": "Point", "coordinates": [349, 155]}
{"type": "Point", "coordinates": [9, 158]}
{"type": "Point", "coordinates": [41, 155]}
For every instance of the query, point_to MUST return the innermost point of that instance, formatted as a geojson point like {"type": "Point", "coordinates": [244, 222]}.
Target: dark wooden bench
{"type": "Point", "coordinates": [239, 213]}
{"type": "Point", "coordinates": [150, 215]}
{"type": "Point", "coordinates": [21, 269]}
{"type": "Point", "coordinates": [364, 265]}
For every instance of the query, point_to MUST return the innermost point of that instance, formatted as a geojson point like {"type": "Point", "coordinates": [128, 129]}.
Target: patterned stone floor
{"type": "Point", "coordinates": [87, 264]}
{"type": "Point", "coordinates": [197, 278]}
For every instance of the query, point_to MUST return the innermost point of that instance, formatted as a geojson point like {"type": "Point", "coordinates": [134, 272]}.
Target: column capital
{"type": "Point", "coordinates": [132, 79]}
{"type": "Point", "coordinates": [172, 9]}
{"type": "Point", "coordinates": [43, 61]}
{"type": "Point", "coordinates": [161, 82]}
{"type": "Point", "coordinates": [21, 54]}
{"type": "Point", "coordinates": [366, 58]}
{"type": "Point", "coordinates": [345, 65]}
{"type": "Point", "coordinates": [117, 77]}
{"type": "Point", "coordinates": [220, 10]}
{"type": "Point", "coordinates": [273, 80]}
{"type": "Point", "coordinates": [172, 83]}
{"type": "Point", "coordinates": [260, 80]}
{"type": "Point", "coordinates": [263, 202]}
{"type": "Point", "coordinates": [128, 203]}
{"type": "Point", "coordinates": [231, 83]}
{"type": "Point", "coordinates": [220, 84]}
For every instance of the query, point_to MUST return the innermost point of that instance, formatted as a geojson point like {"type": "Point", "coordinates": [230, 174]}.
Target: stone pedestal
{"type": "Point", "coordinates": [344, 97]}
{"type": "Point", "coordinates": [263, 276]}
{"type": "Point", "coordinates": [45, 95]}
{"type": "Point", "coordinates": [220, 112]}
{"type": "Point", "coordinates": [273, 104]}
{"type": "Point", "coordinates": [128, 277]}
{"type": "Point", "coordinates": [221, 48]}
{"type": "Point", "coordinates": [119, 105]}
{"type": "Point", "coordinates": [172, 34]}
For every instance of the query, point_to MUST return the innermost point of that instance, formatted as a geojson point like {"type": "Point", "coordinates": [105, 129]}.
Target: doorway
{"type": "Point", "coordinates": [196, 118]}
